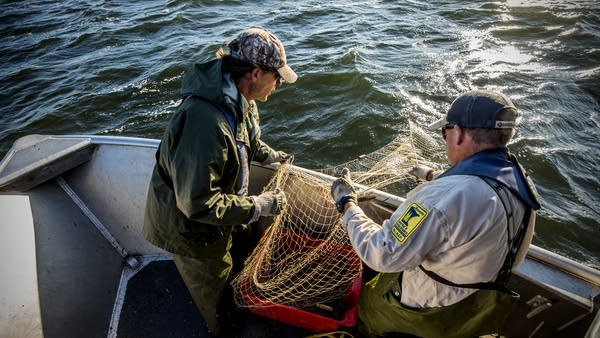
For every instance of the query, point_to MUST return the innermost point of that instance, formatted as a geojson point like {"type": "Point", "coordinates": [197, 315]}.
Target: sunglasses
{"type": "Point", "coordinates": [278, 77]}
{"type": "Point", "coordinates": [446, 127]}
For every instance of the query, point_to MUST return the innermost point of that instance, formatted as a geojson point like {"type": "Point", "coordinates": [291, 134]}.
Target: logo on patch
{"type": "Point", "coordinates": [406, 225]}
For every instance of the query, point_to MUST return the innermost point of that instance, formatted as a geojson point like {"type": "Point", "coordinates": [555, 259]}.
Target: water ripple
{"type": "Point", "coordinates": [366, 68]}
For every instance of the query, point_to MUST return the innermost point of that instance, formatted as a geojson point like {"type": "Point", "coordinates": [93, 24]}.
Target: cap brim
{"type": "Point", "coordinates": [438, 124]}
{"type": "Point", "coordinates": [287, 74]}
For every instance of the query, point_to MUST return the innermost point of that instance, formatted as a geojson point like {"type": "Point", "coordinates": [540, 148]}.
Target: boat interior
{"type": "Point", "coordinates": [76, 264]}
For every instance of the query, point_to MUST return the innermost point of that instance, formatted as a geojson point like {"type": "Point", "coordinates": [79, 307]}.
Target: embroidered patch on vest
{"type": "Point", "coordinates": [406, 225]}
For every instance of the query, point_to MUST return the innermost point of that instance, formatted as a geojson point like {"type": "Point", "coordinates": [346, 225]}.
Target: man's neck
{"type": "Point", "coordinates": [472, 148]}
{"type": "Point", "coordinates": [243, 85]}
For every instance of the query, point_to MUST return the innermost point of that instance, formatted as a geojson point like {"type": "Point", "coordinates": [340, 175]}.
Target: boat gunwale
{"type": "Point", "coordinates": [537, 253]}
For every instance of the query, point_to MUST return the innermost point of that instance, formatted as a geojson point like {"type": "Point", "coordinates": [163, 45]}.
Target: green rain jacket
{"type": "Point", "coordinates": [192, 207]}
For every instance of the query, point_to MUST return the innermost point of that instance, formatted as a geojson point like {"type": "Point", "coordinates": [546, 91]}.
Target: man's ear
{"type": "Point", "coordinates": [255, 73]}
{"type": "Point", "coordinates": [462, 135]}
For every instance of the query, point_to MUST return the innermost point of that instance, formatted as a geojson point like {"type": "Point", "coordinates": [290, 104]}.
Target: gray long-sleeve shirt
{"type": "Point", "coordinates": [455, 226]}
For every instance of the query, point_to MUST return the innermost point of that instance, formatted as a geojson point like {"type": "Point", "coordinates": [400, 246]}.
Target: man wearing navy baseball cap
{"type": "Point", "coordinates": [445, 256]}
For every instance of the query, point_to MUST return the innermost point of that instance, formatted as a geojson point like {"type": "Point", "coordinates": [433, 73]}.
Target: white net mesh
{"type": "Point", "coordinates": [388, 167]}
{"type": "Point", "coordinates": [304, 259]}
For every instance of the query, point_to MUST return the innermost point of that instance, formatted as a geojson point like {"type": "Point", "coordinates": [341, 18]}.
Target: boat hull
{"type": "Point", "coordinates": [82, 200]}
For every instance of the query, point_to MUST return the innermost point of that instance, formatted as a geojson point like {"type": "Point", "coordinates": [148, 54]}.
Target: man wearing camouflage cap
{"type": "Point", "coordinates": [198, 193]}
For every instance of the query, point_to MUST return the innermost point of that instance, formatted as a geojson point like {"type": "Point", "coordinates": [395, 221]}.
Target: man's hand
{"type": "Point", "coordinates": [282, 156]}
{"type": "Point", "coordinates": [269, 203]}
{"type": "Point", "coordinates": [422, 171]}
{"type": "Point", "coordinates": [277, 156]}
{"type": "Point", "coordinates": [342, 190]}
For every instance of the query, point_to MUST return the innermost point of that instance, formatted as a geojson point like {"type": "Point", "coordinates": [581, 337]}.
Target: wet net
{"type": "Point", "coordinates": [304, 258]}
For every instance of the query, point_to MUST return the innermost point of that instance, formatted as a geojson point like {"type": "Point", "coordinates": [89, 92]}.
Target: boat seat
{"type": "Point", "coordinates": [20, 314]}
{"type": "Point", "coordinates": [35, 159]}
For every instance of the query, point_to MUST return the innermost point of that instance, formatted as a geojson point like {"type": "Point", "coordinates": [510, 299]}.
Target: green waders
{"type": "Point", "coordinates": [205, 279]}
{"type": "Point", "coordinates": [208, 279]}
{"type": "Point", "coordinates": [380, 312]}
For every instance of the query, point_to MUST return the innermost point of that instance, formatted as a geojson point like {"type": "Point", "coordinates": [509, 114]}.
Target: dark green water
{"type": "Point", "coordinates": [366, 68]}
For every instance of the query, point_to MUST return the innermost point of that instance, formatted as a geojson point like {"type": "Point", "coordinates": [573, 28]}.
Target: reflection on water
{"type": "Point", "coordinates": [366, 69]}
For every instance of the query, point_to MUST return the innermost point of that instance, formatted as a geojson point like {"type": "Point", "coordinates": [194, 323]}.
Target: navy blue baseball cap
{"type": "Point", "coordinates": [478, 109]}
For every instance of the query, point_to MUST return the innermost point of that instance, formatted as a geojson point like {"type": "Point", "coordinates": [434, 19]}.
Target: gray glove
{"type": "Point", "coordinates": [342, 190]}
{"type": "Point", "coordinates": [268, 203]}
{"type": "Point", "coordinates": [422, 171]}
{"type": "Point", "coordinates": [277, 156]}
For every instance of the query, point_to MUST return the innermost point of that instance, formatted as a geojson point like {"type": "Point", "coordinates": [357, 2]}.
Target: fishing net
{"type": "Point", "coordinates": [388, 168]}
{"type": "Point", "coordinates": [304, 258]}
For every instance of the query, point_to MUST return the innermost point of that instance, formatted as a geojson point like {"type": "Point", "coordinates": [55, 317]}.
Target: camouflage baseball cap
{"type": "Point", "coordinates": [264, 50]}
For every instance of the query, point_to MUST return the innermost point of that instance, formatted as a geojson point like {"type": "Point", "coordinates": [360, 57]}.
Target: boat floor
{"type": "Point", "coordinates": [157, 304]}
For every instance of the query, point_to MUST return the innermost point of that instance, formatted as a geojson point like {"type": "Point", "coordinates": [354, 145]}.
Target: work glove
{"type": "Point", "coordinates": [422, 172]}
{"type": "Point", "coordinates": [269, 203]}
{"type": "Point", "coordinates": [342, 190]}
{"type": "Point", "coordinates": [277, 156]}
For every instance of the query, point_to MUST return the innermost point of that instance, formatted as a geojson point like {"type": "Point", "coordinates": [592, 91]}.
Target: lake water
{"type": "Point", "coordinates": [366, 69]}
